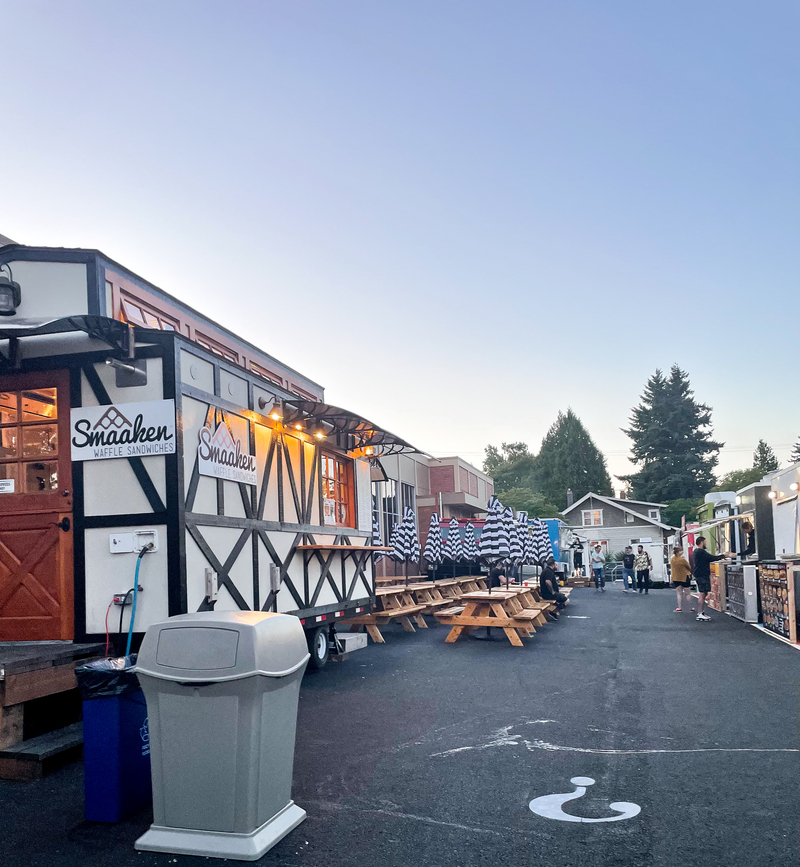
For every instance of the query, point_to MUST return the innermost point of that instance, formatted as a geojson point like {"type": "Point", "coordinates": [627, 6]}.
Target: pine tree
{"type": "Point", "coordinates": [672, 443]}
{"type": "Point", "coordinates": [794, 457]}
{"type": "Point", "coordinates": [764, 458]}
{"type": "Point", "coordinates": [569, 458]}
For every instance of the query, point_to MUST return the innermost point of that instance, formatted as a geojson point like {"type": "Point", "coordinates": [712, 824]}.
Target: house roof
{"type": "Point", "coordinates": [619, 504]}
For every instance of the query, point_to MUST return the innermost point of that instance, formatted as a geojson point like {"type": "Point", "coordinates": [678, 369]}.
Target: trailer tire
{"type": "Point", "coordinates": [318, 647]}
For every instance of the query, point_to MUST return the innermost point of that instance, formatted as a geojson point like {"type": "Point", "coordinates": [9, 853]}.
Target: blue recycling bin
{"type": "Point", "coordinates": [116, 741]}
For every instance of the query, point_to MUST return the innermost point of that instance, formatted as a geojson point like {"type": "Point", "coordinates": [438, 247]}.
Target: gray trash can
{"type": "Point", "coordinates": [222, 691]}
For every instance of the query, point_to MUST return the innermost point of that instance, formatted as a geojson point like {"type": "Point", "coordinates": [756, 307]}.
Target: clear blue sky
{"type": "Point", "coordinates": [460, 217]}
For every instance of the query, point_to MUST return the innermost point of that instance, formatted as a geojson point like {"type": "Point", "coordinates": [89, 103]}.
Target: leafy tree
{"type": "Point", "coordinates": [526, 500]}
{"type": "Point", "coordinates": [672, 443]}
{"type": "Point", "coordinates": [764, 459]}
{"type": "Point", "coordinates": [511, 466]}
{"type": "Point", "coordinates": [569, 458]}
{"type": "Point", "coordinates": [678, 508]}
{"type": "Point", "coordinates": [737, 479]}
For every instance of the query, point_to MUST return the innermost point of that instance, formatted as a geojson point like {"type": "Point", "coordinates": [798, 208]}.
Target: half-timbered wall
{"type": "Point", "coordinates": [133, 491]}
{"type": "Point", "coordinates": [238, 529]}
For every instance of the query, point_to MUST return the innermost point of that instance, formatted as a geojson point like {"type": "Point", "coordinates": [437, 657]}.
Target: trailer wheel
{"type": "Point", "coordinates": [318, 647]}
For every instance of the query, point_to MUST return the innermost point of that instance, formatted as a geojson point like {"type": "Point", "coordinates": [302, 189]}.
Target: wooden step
{"type": "Point", "coordinates": [30, 759]}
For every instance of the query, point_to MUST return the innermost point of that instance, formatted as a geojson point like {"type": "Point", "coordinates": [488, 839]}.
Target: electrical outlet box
{"type": "Point", "coordinates": [212, 585]}
{"type": "Point", "coordinates": [119, 598]}
{"type": "Point", "coordinates": [120, 543]}
{"type": "Point", "coordinates": [274, 578]}
{"type": "Point", "coordinates": [143, 538]}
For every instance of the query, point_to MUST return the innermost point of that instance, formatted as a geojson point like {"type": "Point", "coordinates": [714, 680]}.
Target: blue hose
{"type": "Point", "coordinates": [135, 595]}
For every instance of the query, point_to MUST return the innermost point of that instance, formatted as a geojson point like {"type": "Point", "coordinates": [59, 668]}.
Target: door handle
{"type": "Point", "coordinates": [65, 524]}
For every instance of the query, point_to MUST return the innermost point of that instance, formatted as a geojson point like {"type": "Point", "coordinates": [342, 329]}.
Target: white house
{"type": "Point", "coordinates": [615, 522]}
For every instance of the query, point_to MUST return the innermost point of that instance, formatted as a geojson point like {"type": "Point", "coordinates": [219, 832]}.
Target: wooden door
{"type": "Point", "coordinates": [36, 561]}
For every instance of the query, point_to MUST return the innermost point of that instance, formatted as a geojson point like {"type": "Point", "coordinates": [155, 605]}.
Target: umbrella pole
{"type": "Point", "coordinates": [405, 569]}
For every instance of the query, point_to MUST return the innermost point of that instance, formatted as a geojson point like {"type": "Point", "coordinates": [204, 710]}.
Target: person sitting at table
{"type": "Point", "coordinates": [497, 577]}
{"type": "Point", "coordinates": [548, 586]}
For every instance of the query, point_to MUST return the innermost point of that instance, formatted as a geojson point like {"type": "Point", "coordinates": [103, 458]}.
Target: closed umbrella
{"type": "Point", "coordinates": [453, 549]}
{"type": "Point", "coordinates": [470, 546]}
{"type": "Point", "coordinates": [494, 539]}
{"type": "Point", "coordinates": [375, 538]}
{"type": "Point", "coordinates": [541, 538]}
{"type": "Point", "coordinates": [408, 541]}
{"type": "Point", "coordinates": [433, 552]}
{"type": "Point", "coordinates": [514, 543]}
{"type": "Point", "coordinates": [395, 542]}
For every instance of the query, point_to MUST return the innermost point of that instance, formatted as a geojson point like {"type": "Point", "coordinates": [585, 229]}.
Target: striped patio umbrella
{"type": "Point", "coordinates": [433, 552]}
{"type": "Point", "coordinates": [529, 551]}
{"type": "Point", "coordinates": [515, 551]}
{"type": "Point", "coordinates": [494, 539]}
{"type": "Point", "coordinates": [453, 549]}
{"type": "Point", "coordinates": [395, 542]}
{"type": "Point", "coordinates": [408, 541]}
{"type": "Point", "coordinates": [470, 545]}
{"type": "Point", "coordinates": [541, 539]}
{"type": "Point", "coordinates": [375, 538]}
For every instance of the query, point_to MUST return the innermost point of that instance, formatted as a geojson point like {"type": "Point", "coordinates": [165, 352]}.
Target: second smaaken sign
{"type": "Point", "coordinates": [221, 456]}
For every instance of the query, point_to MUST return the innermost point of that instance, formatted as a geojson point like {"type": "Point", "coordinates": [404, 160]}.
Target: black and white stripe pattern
{"type": "Point", "coordinates": [396, 543]}
{"type": "Point", "coordinates": [470, 545]}
{"type": "Point", "coordinates": [375, 538]}
{"type": "Point", "coordinates": [453, 549]}
{"type": "Point", "coordinates": [541, 538]}
{"type": "Point", "coordinates": [494, 539]}
{"type": "Point", "coordinates": [408, 538]}
{"type": "Point", "coordinates": [433, 552]}
{"type": "Point", "coordinates": [514, 544]}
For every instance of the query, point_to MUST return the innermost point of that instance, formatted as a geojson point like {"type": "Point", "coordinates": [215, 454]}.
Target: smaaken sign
{"type": "Point", "coordinates": [221, 456]}
{"type": "Point", "coordinates": [128, 430]}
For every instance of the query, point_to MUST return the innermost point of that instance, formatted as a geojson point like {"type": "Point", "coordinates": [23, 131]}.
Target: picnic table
{"type": "Point", "coordinates": [429, 594]}
{"type": "Point", "coordinates": [516, 610]}
{"type": "Point", "coordinates": [392, 603]}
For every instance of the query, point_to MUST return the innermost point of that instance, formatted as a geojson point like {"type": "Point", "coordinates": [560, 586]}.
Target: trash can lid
{"type": "Point", "coordinates": [223, 645]}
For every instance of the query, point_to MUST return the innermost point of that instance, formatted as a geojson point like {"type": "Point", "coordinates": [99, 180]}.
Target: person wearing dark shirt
{"type": "Point", "coordinates": [548, 585]}
{"type": "Point", "coordinates": [628, 575]}
{"type": "Point", "coordinates": [749, 540]}
{"type": "Point", "coordinates": [702, 573]}
{"type": "Point", "coordinates": [497, 577]}
{"type": "Point", "coordinates": [577, 559]}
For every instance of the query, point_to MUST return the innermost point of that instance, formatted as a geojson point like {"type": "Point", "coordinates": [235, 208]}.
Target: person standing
{"type": "Point", "coordinates": [628, 575]}
{"type": "Point", "coordinates": [548, 586]}
{"type": "Point", "coordinates": [702, 573]}
{"type": "Point", "coordinates": [642, 564]}
{"type": "Point", "coordinates": [598, 562]}
{"type": "Point", "coordinates": [681, 572]}
{"type": "Point", "coordinates": [578, 560]}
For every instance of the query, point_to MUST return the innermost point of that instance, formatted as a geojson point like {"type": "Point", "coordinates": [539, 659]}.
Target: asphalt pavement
{"type": "Point", "coordinates": [420, 753]}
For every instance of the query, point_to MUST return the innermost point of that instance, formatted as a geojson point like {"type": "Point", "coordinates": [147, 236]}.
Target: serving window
{"type": "Point", "coordinates": [337, 490]}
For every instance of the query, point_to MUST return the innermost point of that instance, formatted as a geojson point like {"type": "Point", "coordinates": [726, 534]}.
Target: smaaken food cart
{"type": "Point", "coordinates": [138, 437]}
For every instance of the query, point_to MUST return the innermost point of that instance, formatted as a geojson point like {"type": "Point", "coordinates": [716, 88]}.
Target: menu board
{"type": "Point", "coordinates": [773, 581]}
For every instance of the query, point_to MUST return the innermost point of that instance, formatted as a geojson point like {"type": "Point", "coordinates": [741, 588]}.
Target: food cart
{"type": "Point", "coordinates": [153, 463]}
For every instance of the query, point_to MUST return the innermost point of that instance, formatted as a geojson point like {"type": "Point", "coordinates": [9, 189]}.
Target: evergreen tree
{"type": "Point", "coordinates": [672, 443]}
{"type": "Point", "coordinates": [569, 458]}
{"type": "Point", "coordinates": [764, 459]}
{"type": "Point", "coordinates": [794, 457]}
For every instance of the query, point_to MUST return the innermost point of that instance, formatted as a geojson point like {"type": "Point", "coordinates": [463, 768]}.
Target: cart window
{"type": "Point", "coordinates": [29, 440]}
{"type": "Point", "coordinates": [337, 490]}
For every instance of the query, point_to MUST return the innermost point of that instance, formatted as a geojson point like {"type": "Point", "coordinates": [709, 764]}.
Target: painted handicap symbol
{"type": "Point", "coordinates": [550, 806]}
